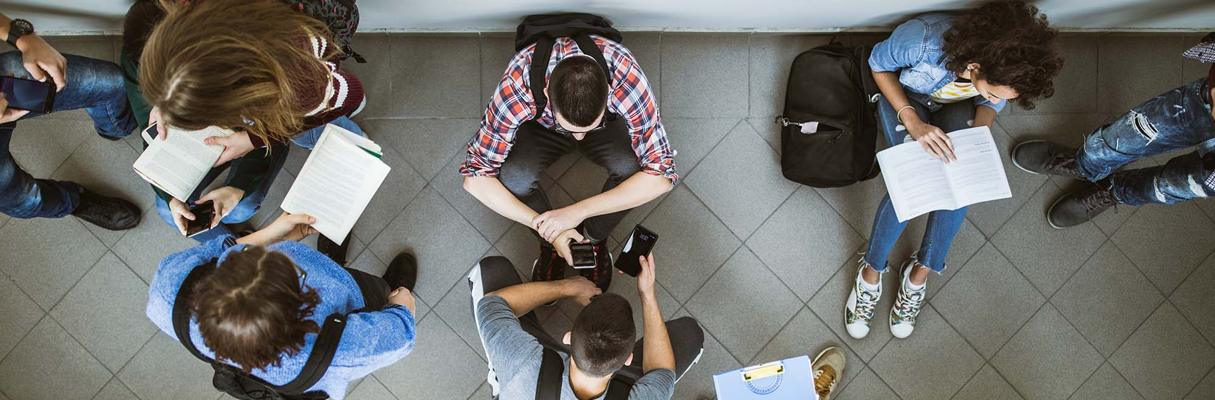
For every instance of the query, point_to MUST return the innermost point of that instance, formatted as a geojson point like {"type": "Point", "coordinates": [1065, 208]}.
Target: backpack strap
{"type": "Point", "coordinates": [323, 350]}
{"type": "Point", "coordinates": [539, 68]}
{"type": "Point", "coordinates": [548, 383]}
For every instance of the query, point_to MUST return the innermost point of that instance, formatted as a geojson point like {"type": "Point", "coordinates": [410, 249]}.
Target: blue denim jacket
{"type": "Point", "coordinates": [916, 51]}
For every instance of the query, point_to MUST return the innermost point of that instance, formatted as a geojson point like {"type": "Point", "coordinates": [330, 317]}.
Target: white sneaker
{"type": "Point", "coordinates": [908, 303]}
{"type": "Point", "coordinates": [858, 311]}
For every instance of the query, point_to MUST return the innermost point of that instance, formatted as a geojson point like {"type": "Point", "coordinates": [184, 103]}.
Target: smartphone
{"type": "Point", "coordinates": [28, 94]}
{"type": "Point", "coordinates": [584, 255]}
{"type": "Point", "coordinates": [203, 214]}
{"type": "Point", "coordinates": [641, 243]}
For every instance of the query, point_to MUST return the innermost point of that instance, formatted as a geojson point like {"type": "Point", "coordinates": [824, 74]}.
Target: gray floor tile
{"type": "Point", "coordinates": [1166, 357]}
{"type": "Point", "coordinates": [807, 335]}
{"type": "Point", "coordinates": [987, 301]}
{"type": "Point", "coordinates": [441, 366]}
{"type": "Point", "coordinates": [771, 57]}
{"type": "Point", "coordinates": [114, 390]}
{"type": "Point", "coordinates": [1047, 359]}
{"type": "Point", "coordinates": [967, 242]}
{"type": "Point", "coordinates": [1064, 128]}
{"type": "Point", "coordinates": [857, 203]}
{"type": "Point", "coordinates": [450, 184]}
{"type": "Point", "coordinates": [1193, 298]}
{"type": "Point", "coordinates": [987, 385]}
{"type": "Point", "coordinates": [1152, 60]}
{"type": "Point", "coordinates": [1106, 383]}
{"type": "Point", "coordinates": [98, 47]}
{"type": "Point", "coordinates": [769, 130]}
{"type": "Point", "coordinates": [1107, 299]}
{"type": "Point", "coordinates": [633, 218]}
{"type": "Point", "coordinates": [427, 144]}
{"type": "Point", "coordinates": [371, 389]}
{"type": "Point", "coordinates": [105, 312]}
{"type": "Point", "coordinates": [1166, 242]}
{"type": "Point", "coordinates": [805, 242]}
{"type": "Point", "coordinates": [398, 190]}
{"type": "Point", "coordinates": [990, 216]}
{"type": "Point", "coordinates": [867, 386]}
{"type": "Point", "coordinates": [694, 138]}
{"type": "Point", "coordinates": [1207, 206]}
{"type": "Point", "coordinates": [376, 74]}
{"type": "Point", "coordinates": [1076, 84]}
{"type": "Point", "coordinates": [934, 363]}
{"type": "Point", "coordinates": [49, 353]}
{"type": "Point", "coordinates": [19, 314]}
{"type": "Point", "coordinates": [697, 383]}
{"type": "Point", "coordinates": [719, 89]}
{"type": "Point", "coordinates": [688, 258]}
{"type": "Point", "coordinates": [497, 50]}
{"type": "Point", "coordinates": [142, 248]}
{"type": "Point", "coordinates": [103, 166]}
{"type": "Point", "coordinates": [647, 49]}
{"type": "Point", "coordinates": [39, 241]}
{"type": "Point", "coordinates": [482, 393]}
{"type": "Point", "coordinates": [743, 304]}
{"type": "Point", "coordinates": [456, 310]}
{"type": "Point", "coordinates": [1204, 390]}
{"type": "Point", "coordinates": [1046, 256]}
{"type": "Point", "coordinates": [828, 304]}
{"type": "Point", "coordinates": [163, 369]}
{"type": "Point", "coordinates": [432, 76]}
{"type": "Point", "coordinates": [40, 153]}
{"type": "Point", "coordinates": [741, 181]}
{"type": "Point", "coordinates": [445, 245]}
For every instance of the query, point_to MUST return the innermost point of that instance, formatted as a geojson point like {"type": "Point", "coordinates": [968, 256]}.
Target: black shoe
{"type": "Point", "coordinates": [107, 212]}
{"type": "Point", "coordinates": [601, 275]}
{"type": "Point", "coordinates": [1079, 207]}
{"type": "Point", "coordinates": [402, 272]}
{"type": "Point", "coordinates": [1042, 157]}
{"type": "Point", "coordinates": [549, 266]}
{"type": "Point", "coordinates": [336, 252]}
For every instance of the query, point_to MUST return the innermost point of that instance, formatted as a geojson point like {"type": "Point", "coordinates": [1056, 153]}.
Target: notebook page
{"type": "Point", "coordinates": [915, 180]}
{"type": "Point", "coordinates": [335, 185]}
{"type": "Point", "coordinates": [977, 175]}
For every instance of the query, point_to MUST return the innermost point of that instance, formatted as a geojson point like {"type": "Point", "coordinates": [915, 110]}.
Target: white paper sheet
{"type": "Point", "coordinates": [336, 183]}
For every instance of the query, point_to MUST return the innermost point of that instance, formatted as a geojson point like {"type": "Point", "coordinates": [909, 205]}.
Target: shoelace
{"type": "Point", "coordinates": [866, 301]}
{"type": "Point", "coordinates": [824, 380]}
{"type": "Point", "coordinates": [908, 304]}
{"type": "Point", "coordinates": [1098, 201]}
{"type": "Point", "coordinates": [1061, 161]}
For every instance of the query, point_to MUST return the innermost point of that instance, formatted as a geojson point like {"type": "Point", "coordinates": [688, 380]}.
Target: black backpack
{"type": "Point", "coordinates": [544, 29]}
{"type": "Point", "coordinates": [237, 383]}
{"type": "Point", "coordinates": [828, 130]}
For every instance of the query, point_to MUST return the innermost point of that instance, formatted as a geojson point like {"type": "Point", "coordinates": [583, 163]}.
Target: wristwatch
{"type": "Point", "coordinates": [18, 28]}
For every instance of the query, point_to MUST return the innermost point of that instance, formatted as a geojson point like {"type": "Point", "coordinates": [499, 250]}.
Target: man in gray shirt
{"type": "Point", "coordinates": [599, 357]}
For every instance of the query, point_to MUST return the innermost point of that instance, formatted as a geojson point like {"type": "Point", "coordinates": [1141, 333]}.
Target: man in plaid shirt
{"type": "Point", "coordinates": [1178, 119]}
{"type": "Point", "coordinates": [611, 118]}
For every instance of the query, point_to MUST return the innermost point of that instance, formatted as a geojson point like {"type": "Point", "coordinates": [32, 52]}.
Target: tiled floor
{"type": "Point", "coordinates": [1120, 308]}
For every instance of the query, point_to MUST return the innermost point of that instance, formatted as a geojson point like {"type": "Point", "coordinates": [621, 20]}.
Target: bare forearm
{"type": "Point", "coordinates": [892, 90]}
{"type": "Point", "coordinates": [658, 353]}
{"type": "Point", "coordinates": [634, 191]}
{"type": "Point", "coordinates": [526, 297]}
{"type": "Point", "coordinates": [493, 194]}
{"type": "Point", "coordinates": [984, 116]}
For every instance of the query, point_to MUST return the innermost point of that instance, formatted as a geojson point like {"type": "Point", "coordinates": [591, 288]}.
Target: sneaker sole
{"type": "Point", "coordinates": [1013, 157]}
{"type": "Point", "coordinates": [1051, 210]}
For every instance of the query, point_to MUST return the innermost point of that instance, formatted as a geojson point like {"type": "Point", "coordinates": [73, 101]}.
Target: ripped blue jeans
{"type": "Point", "coordinates": [1178, 119]}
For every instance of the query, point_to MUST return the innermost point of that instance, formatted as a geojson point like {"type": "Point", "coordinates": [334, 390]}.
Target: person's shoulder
{"type": "Point", "coordinates": [656, 384]}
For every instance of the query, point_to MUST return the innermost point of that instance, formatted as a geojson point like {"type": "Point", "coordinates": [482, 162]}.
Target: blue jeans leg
{"type": "Point", "coordinates": [22, 196]}
{"type": "Point", "coordinates": [308, 138]}
{"type": "Point", "coordinates": [94, 85]}
{"type": "Point", "coordinates": [1187, 177]}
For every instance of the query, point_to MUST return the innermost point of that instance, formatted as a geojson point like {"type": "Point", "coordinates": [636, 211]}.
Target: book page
{"type": "Point", "coordinates": [178, 164]}
{"type": "Point", "coordinates": [335, 185]}
{"type": "Point", "coordinates": [977, 175]}
{"type": "Point", "coordinates": [915, 180]}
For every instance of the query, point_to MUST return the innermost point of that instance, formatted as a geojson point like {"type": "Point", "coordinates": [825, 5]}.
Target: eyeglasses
{"type": "Point", "coordinates": [602, 124]}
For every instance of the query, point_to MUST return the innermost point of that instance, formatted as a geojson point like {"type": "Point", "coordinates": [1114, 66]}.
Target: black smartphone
{"type": "Point", "coordinates": [641, 243]}
{"type": "Point", "coordinates": [28, 94]}
{"type": "Point", "coordinates": [203, 214]}
{"type": "Point", "coordinates": [584, 255]}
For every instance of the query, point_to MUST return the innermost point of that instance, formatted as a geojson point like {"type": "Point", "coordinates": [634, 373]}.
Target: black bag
{"type": "Point", "coordinates": [237, 383]}
{"type": "Point", "coordinates": [544, 29]}
{"type": "Point", "coordinates": [831, 86]}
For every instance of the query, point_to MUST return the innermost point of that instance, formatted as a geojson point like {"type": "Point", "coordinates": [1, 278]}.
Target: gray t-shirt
{"type": "Point", "coordinates": [515, 356]}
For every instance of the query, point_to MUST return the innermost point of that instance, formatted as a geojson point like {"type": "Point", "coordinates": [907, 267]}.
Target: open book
{"type": "Point", "coordinates": [179, 163]}
{"type": "Point", "coordinates": [337, 182]}
{"type": "Point", "coordinates": [919, 183]}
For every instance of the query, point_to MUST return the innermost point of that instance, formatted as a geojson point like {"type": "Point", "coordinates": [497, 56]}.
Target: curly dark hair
{"type": "Point", "coordinates": [1013, 44]}
{"type": "Point", "coordinates": [252, 310]}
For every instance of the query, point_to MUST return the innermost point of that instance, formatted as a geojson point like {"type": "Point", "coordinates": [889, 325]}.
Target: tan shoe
{"type": "Point", "coordinates": [828, 367]}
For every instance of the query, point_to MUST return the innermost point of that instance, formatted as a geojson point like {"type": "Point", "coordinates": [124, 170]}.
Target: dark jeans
{"type": "Point", "coordinates": [95, 86]}
{"type": "Point", "coordinates": [374, 289]}
{"type": "Point", "coordinates": [536, 148]}
{"type": "Point", "coordinates": [943, 225]}
{"type": "Point", "coordinates": [687, 338]}
{"type": "Point", "coordinates": [1174, 120]}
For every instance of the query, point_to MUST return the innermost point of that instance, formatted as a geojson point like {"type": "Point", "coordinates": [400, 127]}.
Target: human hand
{"type": "Point", "coordinates": [553, 222]}
{"type": "Point", "coordinates": [646, 278]}
{"type": "Point", "coordinates": [562, 244]}
{"type": "Point", "coordinates": [181, 214]}
{"type": "Point", "coordinates": [580, 289]}
{"type": "Point", "coordinates": [235, 145]}
{"type": "Point", "coordinates": [42, 60]}
{"type": "Point", "coordinates": [404, 297]}
{"type": "Point", "coordinates": [9, 114]}
{"type": "Point", "coordinates": [932, 139]}
{"type": "Point", "coordinates": [223, 200]}
{"type": "Point", "coordinates": [289, 227]}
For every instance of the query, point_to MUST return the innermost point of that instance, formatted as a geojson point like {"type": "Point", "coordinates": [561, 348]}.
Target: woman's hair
{"type": "Point", "coordinates": [252, 309]}
{"type": "Point", "coordinates": [220, 62]}
{"type": "Point", "coordinates": [1013, 44]}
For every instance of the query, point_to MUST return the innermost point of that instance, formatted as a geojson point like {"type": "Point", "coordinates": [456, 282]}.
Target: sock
{"type": "Point", "coordinates": [872, 287]}
{"type": "Point", "coordinates": [911, 286]}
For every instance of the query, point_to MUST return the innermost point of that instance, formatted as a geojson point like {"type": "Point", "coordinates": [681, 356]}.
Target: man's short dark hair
{"type": "Point", "coordinates": [578, 89]}
{"type": "Point", "coordinates": [603, 335]}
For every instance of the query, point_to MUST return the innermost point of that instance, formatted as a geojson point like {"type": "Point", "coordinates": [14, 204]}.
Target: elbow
{"type": "Point", "coordinates": [470, 184]}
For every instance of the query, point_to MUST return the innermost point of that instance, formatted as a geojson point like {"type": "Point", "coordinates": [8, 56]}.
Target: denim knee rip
{"type": "Point", "coordinates": [1144, 126]}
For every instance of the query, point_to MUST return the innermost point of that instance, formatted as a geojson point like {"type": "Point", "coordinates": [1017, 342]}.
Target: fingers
{"type": "Point", "coordinates": [576, 236]}
{"type": "Point", "coordinates": [219, 214]}
{"type": "Point", "coordinates": [56, 71]}
{"type": "Point", "coordinates": [181, 223]}
{"type": "Point", "coordinates": [35, 71]}
{"type": "Point", "coordinates": [304, 219]}
{"type": "Point", "coordinates": [216, 141]}
{"type": "Point", "coordinates": [162, 132]}
{"type": "Point", "coordinates": [11, 115]}
{"type": "Point", "coordinates": [947, 145]}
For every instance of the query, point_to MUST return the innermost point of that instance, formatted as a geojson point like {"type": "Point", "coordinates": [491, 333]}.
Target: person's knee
{"type": "Point", "coordinates": [243, 212]}
{"type": "Point", "coordinates": [493, 273]}
{"type": "Point", "coordinates": [11, 64]}
{"type": "Point", "coordinates": [687, 331]}
{"type": "Point", "coordinates": [520, 180]}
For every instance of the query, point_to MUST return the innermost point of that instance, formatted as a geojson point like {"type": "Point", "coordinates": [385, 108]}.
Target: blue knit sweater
{"type": "Point", "coordinates": [371, 340]}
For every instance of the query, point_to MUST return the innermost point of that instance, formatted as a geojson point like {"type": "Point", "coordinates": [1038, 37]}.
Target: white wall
{"type": "Point", "coordinates": [105, 16]}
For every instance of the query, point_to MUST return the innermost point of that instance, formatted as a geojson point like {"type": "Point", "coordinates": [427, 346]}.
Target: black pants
{"type": "Point", "coordinates": [687, 338]}
{"type": "Point", "coordinates": [374, 289]}
{"type": "Point", "coordinates": [536, 148]}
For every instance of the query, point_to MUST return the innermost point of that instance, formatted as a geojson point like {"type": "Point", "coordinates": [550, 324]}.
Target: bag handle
{"type": "Point", "coordinates": [548, 383]}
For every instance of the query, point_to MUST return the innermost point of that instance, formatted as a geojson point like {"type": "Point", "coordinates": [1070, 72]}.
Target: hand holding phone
{"type": "Point", "coordinates": [203, 215]}
{"type": "Point", "coordinates": [641, 242]}
{"type": "Point", "coordinates": [9, 114]}
{"type": "Point", "coordinates": [26, 94]}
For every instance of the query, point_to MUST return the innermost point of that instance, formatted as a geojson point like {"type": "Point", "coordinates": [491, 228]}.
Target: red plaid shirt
{"type": "Point", "coordinates": [512, 105]}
